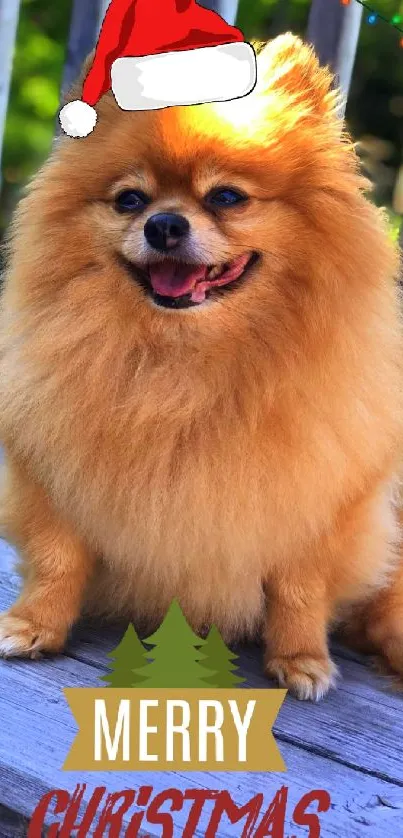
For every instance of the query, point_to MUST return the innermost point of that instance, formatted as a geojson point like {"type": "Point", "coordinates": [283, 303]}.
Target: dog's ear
{"type": "Point", "coordinates": [291, 67]}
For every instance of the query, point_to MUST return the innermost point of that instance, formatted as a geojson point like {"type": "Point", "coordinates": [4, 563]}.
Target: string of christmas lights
{"type": "Point", "coordinates": [374, 16]}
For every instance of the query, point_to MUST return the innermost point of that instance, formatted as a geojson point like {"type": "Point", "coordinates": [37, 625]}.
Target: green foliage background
{"type": "Point", "coordinates": [37, 73]}
{"type": "Point", "coordinates": [375, 106]}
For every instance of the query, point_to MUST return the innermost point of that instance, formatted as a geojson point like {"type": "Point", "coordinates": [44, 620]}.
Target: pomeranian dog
{"type": "Point", "coordinates": [201, 381]}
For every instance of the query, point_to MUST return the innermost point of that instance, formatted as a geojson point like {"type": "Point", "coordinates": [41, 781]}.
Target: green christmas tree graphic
{"type": "Point", "coordinates": [221, 660]}
{"type": "Point", "coordinates": [175, 658]}
{"type": "Point", "coordinates": [129, 662]}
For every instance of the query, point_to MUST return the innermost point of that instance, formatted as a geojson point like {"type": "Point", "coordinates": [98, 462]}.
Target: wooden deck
{"type": "Point", "coordinates": [350, 744]}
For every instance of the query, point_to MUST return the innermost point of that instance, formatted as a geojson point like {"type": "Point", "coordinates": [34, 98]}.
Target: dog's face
{"type": "Point", "coordinates": [182, 229]}
{"type": "Point", "coordinates": [197, 206]}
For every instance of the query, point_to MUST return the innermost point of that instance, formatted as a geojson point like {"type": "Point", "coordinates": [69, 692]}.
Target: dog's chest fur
{"type": "Point", "coordinates": [188, 481]}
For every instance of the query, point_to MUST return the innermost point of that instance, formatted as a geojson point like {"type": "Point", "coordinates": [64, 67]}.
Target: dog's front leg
{"type": "Point", "coordinates": [296, 634]}
{"type": "Point", "coordinates": [56, 568]}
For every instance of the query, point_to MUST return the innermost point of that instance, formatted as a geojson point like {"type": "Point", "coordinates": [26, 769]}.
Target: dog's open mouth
{"type": "Point", "coordinates": [174, 284]}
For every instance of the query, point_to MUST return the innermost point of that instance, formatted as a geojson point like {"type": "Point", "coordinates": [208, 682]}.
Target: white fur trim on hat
{"type": "Point", "coordinates": [78, 119]}
{"type": "Point", "coordinates": [185, 77]}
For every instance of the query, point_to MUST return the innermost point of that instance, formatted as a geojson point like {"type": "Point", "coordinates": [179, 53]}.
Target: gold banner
{"type": "Point", "coordinates": [171, 730]}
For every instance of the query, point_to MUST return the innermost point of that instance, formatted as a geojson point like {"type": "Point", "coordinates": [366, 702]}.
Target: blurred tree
{"type": "Point", "coordinates": [37, 73]}
{"type": "Point", "coordinates": [375, 106]}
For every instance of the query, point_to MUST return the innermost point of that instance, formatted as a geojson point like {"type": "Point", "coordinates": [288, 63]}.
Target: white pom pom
{"type": "Point", "coordinates": [78, 119]}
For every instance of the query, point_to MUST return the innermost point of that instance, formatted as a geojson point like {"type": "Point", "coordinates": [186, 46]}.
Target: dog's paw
{"type": "Point", "coordinates": [20, 637]}
{"type": "Point", "coordinates": [308, 679]}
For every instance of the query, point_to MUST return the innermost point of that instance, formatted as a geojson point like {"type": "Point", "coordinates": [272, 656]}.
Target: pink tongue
{"type": "Point", "coordinates": [175, 280]}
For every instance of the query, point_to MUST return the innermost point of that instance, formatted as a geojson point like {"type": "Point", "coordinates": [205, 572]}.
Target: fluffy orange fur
{"type": "Point", "coordinates": [242, 456]}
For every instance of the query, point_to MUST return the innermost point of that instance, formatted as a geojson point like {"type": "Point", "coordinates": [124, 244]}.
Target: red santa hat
{"type": "Point", "coordinates": [159, 53]}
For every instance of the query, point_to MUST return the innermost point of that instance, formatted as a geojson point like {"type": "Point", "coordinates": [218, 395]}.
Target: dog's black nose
{"type": "Point", "coordinates": [166, 230]}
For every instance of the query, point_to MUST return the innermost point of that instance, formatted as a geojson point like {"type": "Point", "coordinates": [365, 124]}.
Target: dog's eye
{"type": "Point", "coordinates": [131, 201]}
{"type": "Point", "coordinates": [226, 197]}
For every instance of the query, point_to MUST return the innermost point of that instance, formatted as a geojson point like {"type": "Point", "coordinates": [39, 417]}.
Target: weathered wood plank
{"type": "Point", "coordinates": [228, 9]}
{"type": "Point", "coordinates": [87, 16]}
{"type": "Point", "coordinates": [102, 9]}
{"type": "Point", "coordinates": [8, 556]}
{"type": "Point", "coordinates": [39, 731]}
{"type": "Point", "coordinates": [359, 725]}
{"type": "Point", "coordinates": [11, 824]}
{"type": "Point", "coordinates": [334, 29]}
{"type": "Point", "coordinates": [9, 14]}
